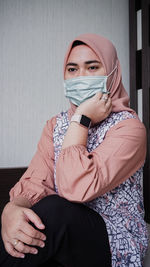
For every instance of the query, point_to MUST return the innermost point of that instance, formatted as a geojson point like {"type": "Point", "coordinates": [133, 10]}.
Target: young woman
{"type": "Point", "coordinates": [80, 202]}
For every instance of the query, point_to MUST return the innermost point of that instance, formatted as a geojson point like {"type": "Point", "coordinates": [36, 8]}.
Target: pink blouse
{"type": "Point", "coordinates": [82, 176]}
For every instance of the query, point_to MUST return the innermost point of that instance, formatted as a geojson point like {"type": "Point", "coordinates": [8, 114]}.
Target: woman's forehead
{"type": "Point", "coordinates": [82, 52]}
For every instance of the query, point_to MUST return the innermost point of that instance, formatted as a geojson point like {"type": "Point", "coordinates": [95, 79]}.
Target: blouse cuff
{"type": "Point", "coordinates": [80, 148]}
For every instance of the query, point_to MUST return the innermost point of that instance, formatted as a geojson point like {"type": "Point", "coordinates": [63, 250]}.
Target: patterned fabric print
{"type": "Point", "coordinates": [122, 208]}
{"type": "Point", "coordinates": [123, 212]}
{"type": "Point", "coordinates": [58, 137]}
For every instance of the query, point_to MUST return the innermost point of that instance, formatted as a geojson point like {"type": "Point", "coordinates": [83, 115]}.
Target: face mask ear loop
{"type": "Point", "coordinates": [112, 71]}
{"type": "Point", "coordinates": [112, 79]}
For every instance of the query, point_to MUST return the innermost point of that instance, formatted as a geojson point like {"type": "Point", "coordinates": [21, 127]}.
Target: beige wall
{"type": "Point", "coordinates": [34, 35]}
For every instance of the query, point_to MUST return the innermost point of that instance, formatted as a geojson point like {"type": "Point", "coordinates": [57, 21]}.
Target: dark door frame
{"type": "Point", "coordinates": [140, 79]}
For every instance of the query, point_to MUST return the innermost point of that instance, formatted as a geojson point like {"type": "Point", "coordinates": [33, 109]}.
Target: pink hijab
{"type": "Point", "coordinates": [106, 52]}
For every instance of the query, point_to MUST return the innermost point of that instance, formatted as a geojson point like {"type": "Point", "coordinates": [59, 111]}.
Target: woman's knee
{"type": "Point", "coordinates": [51, 208]}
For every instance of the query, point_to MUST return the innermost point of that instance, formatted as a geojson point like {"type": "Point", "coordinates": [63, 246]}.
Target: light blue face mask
{"type": "Point", "coordinates": [81, 88]}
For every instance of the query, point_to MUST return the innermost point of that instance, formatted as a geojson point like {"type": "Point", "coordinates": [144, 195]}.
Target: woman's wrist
{"type": "Point", "coordinates": [21, 201]}
{"type": "Point", "coordinates": [76, 135]}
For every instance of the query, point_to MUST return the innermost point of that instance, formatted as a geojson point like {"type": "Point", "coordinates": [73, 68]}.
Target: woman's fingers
{"type": "Point", "coordinates": [23, 248]}
{"type": "Point", "coordinates": [98, 96]}
{"type": "Point", "coordinates": [34, 218]}
{"type": "Point", "coordinates": [108, 102]}
{"type": "Point", "coordinates": [109, 108]}
{"type": "Point", "coordinates": [18, 234]}
{"type": "Point", "coordinates": [96, 107]}
{"type": "Point", "coordinates": [24, 243]}
{"type": "Point", "coordinates": [30, 231]}
{"type": "Point", "coordinates": [104, 98]}
{"type": "Point", "coordinates": [12, 251]}
{"type": "Point", "coordinates": [32, 241]}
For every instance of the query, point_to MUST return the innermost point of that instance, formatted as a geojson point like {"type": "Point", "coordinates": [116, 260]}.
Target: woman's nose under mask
{"type": "Point", "coordinates": [79, 89]}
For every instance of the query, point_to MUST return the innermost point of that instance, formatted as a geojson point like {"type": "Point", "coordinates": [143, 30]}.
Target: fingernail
{"type": "Point", "coordinates": [22, 256]}
{"type": "Point", "coordinates": [44, 238]}
{"type": "Point", "coordinates": [42, 225]}
{"type": "Point", "coordinates": [42, 245]}
{"type": "Point", "coordinates": [35, 251]}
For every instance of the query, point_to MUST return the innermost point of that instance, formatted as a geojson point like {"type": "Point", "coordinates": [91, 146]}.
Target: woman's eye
{"type": "Point", "coordinates": [93, 67]}
{"type": "Point", "coordinates": [72, 69]}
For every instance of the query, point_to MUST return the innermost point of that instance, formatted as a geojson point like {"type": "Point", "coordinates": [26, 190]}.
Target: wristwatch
{"type": "Point", "coordinates": [82, 119]}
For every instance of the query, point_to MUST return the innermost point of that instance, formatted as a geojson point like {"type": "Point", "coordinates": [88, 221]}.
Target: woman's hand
{"type": "Point", "coordinates": [97, 108]}
{"type": "Point", "coordinates": [18, 235]}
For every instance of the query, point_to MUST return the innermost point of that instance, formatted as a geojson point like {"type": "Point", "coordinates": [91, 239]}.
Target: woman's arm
{"type": "Point", "coordinates": [36, 183]}
{"type": "Point", "coordinates": [85, 176]}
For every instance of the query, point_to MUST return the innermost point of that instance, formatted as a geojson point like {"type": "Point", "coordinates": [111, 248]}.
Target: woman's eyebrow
{"type": "Point", "coordinates": [86, 62]}
{"type": "Point", "coordinates": [71, 64]}
{"type": "Point", "coordinates": [92, 61]}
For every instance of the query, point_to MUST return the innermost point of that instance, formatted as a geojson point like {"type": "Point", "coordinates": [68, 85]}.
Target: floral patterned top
{"type": "Point", "coordinates": [121, 208]}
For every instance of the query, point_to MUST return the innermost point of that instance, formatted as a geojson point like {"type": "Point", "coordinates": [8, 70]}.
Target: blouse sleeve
{"type": "Point", "coordinates": [37, 181]}
{"type": "Point", "coordinates": [83, 176]}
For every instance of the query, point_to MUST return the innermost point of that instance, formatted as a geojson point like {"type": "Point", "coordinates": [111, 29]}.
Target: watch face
{"type": "Point", "coordinates": [85, 121]}
{"type": "Point", "coordinates": [82, 119]}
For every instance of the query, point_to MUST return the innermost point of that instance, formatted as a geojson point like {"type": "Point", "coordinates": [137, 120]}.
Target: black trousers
{"type": "Point", "coordinates": [76, 237]}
